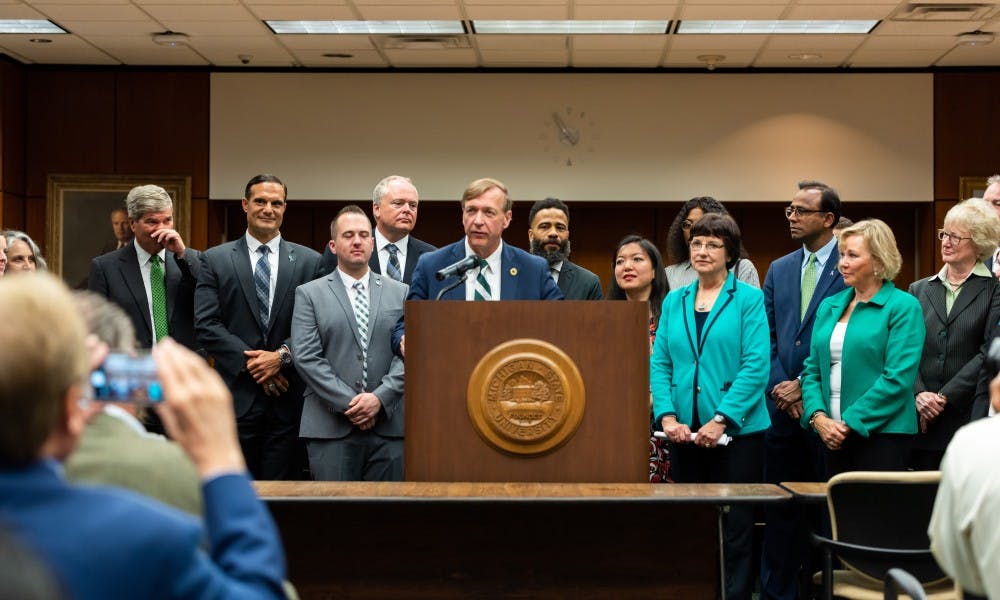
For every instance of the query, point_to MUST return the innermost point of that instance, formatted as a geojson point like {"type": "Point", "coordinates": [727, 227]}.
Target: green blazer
{"type": "Point", "coordinates": [113, 453]}
{"type": "Point", "coordinates": [727, 370]}
{"type": "Point", "coordinates": [882, 348]}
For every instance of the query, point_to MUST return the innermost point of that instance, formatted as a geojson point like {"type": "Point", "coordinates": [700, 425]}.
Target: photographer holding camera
{"type": "Point", "coordinates": [104, 542]}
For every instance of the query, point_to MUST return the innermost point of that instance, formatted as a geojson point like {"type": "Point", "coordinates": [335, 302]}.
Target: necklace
{"type": "Point", "coordinates": [702, 306]}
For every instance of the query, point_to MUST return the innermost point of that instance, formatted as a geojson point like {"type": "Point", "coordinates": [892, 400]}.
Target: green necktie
{"type": "Point", "coordinates": [808, 284]}
{"type": "Point", "coordinates": [482, 287]}
{"type": "Point", "coordinates": [159, 292]}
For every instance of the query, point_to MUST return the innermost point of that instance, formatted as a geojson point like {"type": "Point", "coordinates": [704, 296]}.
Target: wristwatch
{"type": "Point", "coordinates": [719, 419]}
{"type": "Point", "coordinates": [285, 356]}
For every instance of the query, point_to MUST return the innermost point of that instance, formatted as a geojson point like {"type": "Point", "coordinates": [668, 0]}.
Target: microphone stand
{"type": "Point", "coordinates": [457, 283]}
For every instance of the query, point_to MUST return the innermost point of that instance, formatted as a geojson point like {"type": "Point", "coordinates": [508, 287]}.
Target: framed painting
{"type": "Point", "coordinates": [971, 187]}
{"type": "Point", "coordinates": [79, 209]}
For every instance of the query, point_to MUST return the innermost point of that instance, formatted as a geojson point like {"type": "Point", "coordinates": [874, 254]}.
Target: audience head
{"type": "Point", "coordinates": [106, 321]}
{"type": "Point", "coordinates": [150, 209]}
{"type": "Point", "coordinates": [264, 202]}
{"type": "Point", "coordinates": [548, 230]}
{"type": "Point", "coordinates": [842, 224]}
{"type": "Point", "coordinates": [351, 240]}
{"type": "Point", "coordinates": [679, 234]}
{"type": "Point", "coordinates": [724, 229]}
{"type": "Point", "coordinates": [23, 254]}
{"type": "Point", "coordinates": [486, 212]}
{"type": "Point", "coordinates": [974, 219]}
{"type": "Point", "coordinates": [868, 253]}
{"type": "Point", "coordinates": [41, 382]}
{"type": "Point", "coordinates": [394, 205]}
{"type": "Point", "coordinates": [638, 273]}
{"type": "Point", "coordinates": [992, 193]}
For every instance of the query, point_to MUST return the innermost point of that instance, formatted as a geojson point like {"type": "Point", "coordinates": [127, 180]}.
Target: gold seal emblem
{"type": "Point", "coordinates": [526, 396]}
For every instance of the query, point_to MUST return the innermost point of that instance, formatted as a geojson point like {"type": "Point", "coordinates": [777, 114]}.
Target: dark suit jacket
{"type": "Point", "coordinates": [523, 276]}
{"type": "Point", "coordinates": [790, 335]}
{"type": "Point", "coordinates": [109, 543]}
{"type": "Point", "coordinates": [414, 249]}
{"type": "Point", "coordinates": [953, 349]}
{"type": "Point", "coordinates": [577, 283]}
{"type": "Point", "coordinates": [327, 347]}
{"type": "Point", "coordinates": [227, 321]}
{"type": "Point", "coordinates": [116, 276]}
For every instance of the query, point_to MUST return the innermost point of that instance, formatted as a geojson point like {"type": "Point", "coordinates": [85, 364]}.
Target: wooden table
{"type": "Point", "coordinates": [806, 491]}
{"type": "Point", "coordinates": [452, 540]}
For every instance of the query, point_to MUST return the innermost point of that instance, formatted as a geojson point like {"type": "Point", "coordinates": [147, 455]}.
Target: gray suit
{"type": "Point", "coordinates": [577, 283]}
{"type": "Point", "coordinates": [327, 349]}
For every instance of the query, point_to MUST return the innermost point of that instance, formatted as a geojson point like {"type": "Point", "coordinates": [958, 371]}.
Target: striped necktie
{"type": "Point", "coordinates": [158, 290]}
{"type": "Point", "coordinates": [392, 269]}
{"type": "Point", "coordinates": [808, 284]}
{"type": "Point", "coordinates": [262, 283]}
{"type": "Point", "coordinates": [482, 288]}
{"type": "Point", "coordinates": [361, 316]}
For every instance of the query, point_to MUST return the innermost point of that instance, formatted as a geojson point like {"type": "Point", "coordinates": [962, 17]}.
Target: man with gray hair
{"type": "Point", "coordinates": [153, 278]}
{"type": "Point", "coordinates": [394, 204]}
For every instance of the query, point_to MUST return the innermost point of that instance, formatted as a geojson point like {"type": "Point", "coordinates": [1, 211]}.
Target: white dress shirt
{"type": "Point", "coordinates": [383, 255]}
{"type": "Point", "coordinates": [144, 267]}
{"type": "Point", "coordinates": [491, 272]}
{"type": "Point", "coordinates": [272, 261]}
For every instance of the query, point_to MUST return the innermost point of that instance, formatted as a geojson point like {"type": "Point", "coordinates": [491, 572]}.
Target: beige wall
{"type": "Point", "coordinates": [739, 137]}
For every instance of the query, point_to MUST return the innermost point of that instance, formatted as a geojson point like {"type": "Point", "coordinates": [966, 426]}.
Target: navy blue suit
{"type": "Point", "coordinates": [523, 276]}
{"type": "Point", "coordinates": [792, 452]}
{"type": "Point", "coordinates": [109, 543]}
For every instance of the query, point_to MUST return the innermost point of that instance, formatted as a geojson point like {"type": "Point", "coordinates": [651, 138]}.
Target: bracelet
{"type": "Point", "coordinates": [812, 419]}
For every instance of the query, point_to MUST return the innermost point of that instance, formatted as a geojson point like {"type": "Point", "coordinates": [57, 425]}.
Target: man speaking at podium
{"type": "Point", "coordinates": [494, 270]}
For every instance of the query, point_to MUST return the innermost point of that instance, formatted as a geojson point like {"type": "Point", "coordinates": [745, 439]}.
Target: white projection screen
{"type": "Point", "coordinates": [639, 136]}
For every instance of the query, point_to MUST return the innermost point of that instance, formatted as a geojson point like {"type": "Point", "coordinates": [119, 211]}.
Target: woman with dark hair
{"type": "Point", "coordinates": [638, 275]}
{"type": "Point", "coordinates": [680, 273]}
{"type": "Point", "coordinates": [709, 368]}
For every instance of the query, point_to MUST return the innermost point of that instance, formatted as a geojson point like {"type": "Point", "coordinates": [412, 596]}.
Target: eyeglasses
{"type": "Point", "coordinates": [801, 212]}
{"type": "Point", "coordinates": [710, 246]}
{"type": "Point", "coordinates": [955, 239]}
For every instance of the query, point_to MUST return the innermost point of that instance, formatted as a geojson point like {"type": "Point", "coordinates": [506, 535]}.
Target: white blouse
{"type": "Point", "coordinates": [836, 355]}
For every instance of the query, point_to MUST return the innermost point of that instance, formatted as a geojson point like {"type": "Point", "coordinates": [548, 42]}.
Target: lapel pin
{"type": "Point", "coordinates": [513, 271]}
{"type": "Point", "coordinates": [378, 280]}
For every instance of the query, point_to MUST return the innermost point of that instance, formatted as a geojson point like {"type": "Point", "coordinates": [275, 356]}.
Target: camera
{"type": "Point", "coordinates": [127, 378]}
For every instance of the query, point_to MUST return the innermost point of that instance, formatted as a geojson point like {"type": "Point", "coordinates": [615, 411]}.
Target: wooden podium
{"type": "Point", "coordinates": [608, 342]}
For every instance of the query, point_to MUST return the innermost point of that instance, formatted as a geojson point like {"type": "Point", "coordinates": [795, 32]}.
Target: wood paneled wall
{"type": "Point", "coordinates": [156, 121]}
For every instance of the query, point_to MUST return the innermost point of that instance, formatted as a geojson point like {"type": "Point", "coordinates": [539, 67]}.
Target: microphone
{"type": "Point", "coordinates": [458, 268]}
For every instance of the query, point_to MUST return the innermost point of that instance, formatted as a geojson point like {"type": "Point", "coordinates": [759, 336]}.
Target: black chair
{"type": "Point", "coordinates": [898, 580]}
{"type": "Point", "coordinates": [879, 522]}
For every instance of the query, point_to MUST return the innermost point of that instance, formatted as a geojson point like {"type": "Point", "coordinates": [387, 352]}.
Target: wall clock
{"type": "Point", "coordinates": [569, 136]}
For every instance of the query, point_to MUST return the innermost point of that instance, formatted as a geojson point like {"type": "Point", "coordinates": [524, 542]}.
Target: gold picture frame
{"type": "Point", "coordinates": [78, 208]}
{"type": "Point", "coordinates": [971, 187]}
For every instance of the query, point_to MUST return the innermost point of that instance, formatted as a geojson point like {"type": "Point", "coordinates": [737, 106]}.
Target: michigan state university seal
{"type": "Point", "coordinates": [526, 397]}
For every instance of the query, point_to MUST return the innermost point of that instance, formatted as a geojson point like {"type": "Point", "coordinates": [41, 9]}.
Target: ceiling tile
{"type": "Point", "coordinates": [399, 12]}
{"type": "Point", "coordinates": [926, 28]}
{"type": "Point", "coordinates": [779, 59]}
{"type": "Point", "coordinates": [279, 12]}
{"type": "Point", "coordinates": [326, 43]}
{"type": "Point", "coordinates": [469, 3]}
{"type": "Point", "coordinates": [296, 2]}
{"type": "Point", "coordinates": [688, 58]}
{"type": "Point", "coordinates": [523, 58]}
{"type": "Point", "coordinates": [814, 43]}
{"type": "Point", "coordinates": [88, 2]}
{"type": "Point", "coordinates": [94, 12]}
{"type": "Point", "coordinates": [435, 58]}
{"type": "Point", "coordinates": [516, 13]}
{"type": "Point", "coordinates": [616, 58]}
{"type": "Point", "coordinates": [734, 3]}
{"type": "Point", "coordinates": [892, 3]}
{"type": "Point", "coordinates": [521, 42]}
{"type": "Point", "coordinates": [653, 43]}
{"type": "Point", "coordinates": [579, 3]}
{"type": "Point", "coordinates": [64, 49]}
{"type": "Point", "coordinates": [895, 58]}
{"type": "Point", "coordinates": [91, 29]}
{"type": "Point", "coordinates": [19, 11]}
{"type": "Point", "coordinates": [825, 11]}
{"type": "Point", "coordinates": [412, 2]}
{"type": "Point", "coordinates": [966, 56]}
{"type": "Point", "coordinates": [910, 42]}
{"type": "Point", "coordinates": [651, 12]}
{"type": "Point", "coordinates": [210, 28]}
{"type": "Point", "coordinates": [185, 12]}
{"type": "Point", "coordinates": [743, 11]}
{"type": "Point", "coordinates": [704, 43]}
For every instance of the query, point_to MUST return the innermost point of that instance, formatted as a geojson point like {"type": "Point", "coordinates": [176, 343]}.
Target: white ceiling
{"type": "Point", "coordinates": [119, 32]}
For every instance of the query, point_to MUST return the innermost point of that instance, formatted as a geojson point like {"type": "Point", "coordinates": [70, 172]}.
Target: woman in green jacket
{"type": "Point", "coordinates": [857, 383]}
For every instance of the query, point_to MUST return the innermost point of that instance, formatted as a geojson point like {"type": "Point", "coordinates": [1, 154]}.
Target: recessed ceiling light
{"type": "Point", "coordinates": [711, 60]}
{"type": "Point", "coordinates": [572, 27]}
{"type": "Point", "coordinates": [40, 41]}
{"type": "Point", "coordinates": [365, 27]}
{"type": "Point", "coordinates": [975, 38]}
{"type": "Point", "coordinates": [172, 39]}
{"type": "Point", "coordinates": [840, 27]}
{"type": "Point", "coordinates": [338, 55]}
{"type": "Point", "coordinates": [29, 26]}
{"type": "Point", "coordinates": [805, 56]}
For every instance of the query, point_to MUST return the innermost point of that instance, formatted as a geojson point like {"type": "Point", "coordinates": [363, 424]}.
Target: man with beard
{"type": "Point", "coordinates": [549, 238]}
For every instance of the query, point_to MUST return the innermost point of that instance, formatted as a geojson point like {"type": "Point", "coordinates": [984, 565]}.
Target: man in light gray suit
{"type": "Point", "coordinates": [352, 418]}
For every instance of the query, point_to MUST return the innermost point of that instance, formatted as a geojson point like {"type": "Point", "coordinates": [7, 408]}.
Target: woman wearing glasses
{"type": "Point", "coordinates": [961, 306]}
{"type": "Point", "coordinates": [857, 383]}
{"type": "Point", "coordinates": [710, 364]}
{"type": "Point", "coordinates": [680, 272]}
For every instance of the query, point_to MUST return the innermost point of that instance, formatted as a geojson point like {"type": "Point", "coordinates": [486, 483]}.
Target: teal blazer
{"type": "Point", "coordinates": [726, 372]}
{"type": "Point", "coordinates": [882, 348]}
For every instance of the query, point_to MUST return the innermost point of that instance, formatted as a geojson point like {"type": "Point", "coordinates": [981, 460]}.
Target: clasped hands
{"type": "Point", "coordinates": [832, 433]}
{"type": "Point", "coordinates": [362, 410]}
{"type": "Point", "coordinates": [679, 433]}
{"type": "Point", "coordinates": [788, 398]}
{"type": "Point", "coordinates": [265, 368]}
{"type": "Point", "coordinates": [929, 407]}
